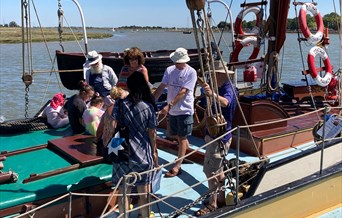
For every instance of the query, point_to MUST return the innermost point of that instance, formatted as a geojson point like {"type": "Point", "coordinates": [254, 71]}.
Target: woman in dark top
{"type": "Point", "coordinates": [77, 105]}
{"type": "Point", "coordinates": [138, 113]}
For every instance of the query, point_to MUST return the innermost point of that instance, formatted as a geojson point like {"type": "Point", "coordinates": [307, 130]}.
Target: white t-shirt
{"type": "Point", "coordinates": [175, 80]}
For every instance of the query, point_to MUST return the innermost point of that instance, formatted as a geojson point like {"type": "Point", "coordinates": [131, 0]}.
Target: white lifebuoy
{"type": "Point", "coordinates": [239, 44]}
{"type": "Point", "coordinates": [312, 39]}
{"type": "Point", "coordinates": [238, 22]}
{"type": "Point", "coordinates": [312, 68]}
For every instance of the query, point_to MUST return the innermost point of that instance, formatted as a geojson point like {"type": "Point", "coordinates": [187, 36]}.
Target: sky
{"type": "Point", "coordinates": [116, 13]}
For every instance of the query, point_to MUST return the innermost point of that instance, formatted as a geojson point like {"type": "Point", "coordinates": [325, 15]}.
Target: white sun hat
{"type": "Point", "coordinates": [180, 56]}
{"type": "Point", "coordinates": [93, 57]}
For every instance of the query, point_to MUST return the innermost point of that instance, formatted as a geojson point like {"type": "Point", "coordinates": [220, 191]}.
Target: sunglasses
{"type": "Point", "coordinates": [133, 59]}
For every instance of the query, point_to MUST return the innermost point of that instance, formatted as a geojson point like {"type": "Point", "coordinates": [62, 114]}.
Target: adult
{"type": "Point", "coordinates": [137, 113]}
{"type": "Point", "coordinates": [77, 105]}
{"type": "Point", "coordinates": [104, 131]}
{"type": "Point", "coordinates": [133, 61]}
{"type": "Point", "coordinates": [218, 149]}
{"type": "Point", "coordinates": [54, 113]}
{"type": "Point", "coordinates": [99, 75]}
{"type": "Point", "coordinates": [180, 80]}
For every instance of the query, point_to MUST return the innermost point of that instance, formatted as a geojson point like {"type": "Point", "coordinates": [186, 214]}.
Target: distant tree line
{"type": "Point", "coordinates": [331, 21]}
{"type": "Point", "coordinates": [10, 24]}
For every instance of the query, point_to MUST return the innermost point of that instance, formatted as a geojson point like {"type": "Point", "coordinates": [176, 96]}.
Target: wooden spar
{"type": "Point", "coordinates": [24, 150]}
{"type": "Point", "coordinates": [253, 4]}
{"type": "Point", "coordinates": [305, 72]}
{"type": "Point", "coordinates": [35, 177]}
{"type": "Point", "coordinates": [245, 62]}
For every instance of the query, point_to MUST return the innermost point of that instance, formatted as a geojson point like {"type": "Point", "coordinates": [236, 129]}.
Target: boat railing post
{"type": "Point", "coordinates": [70, 204]}
{"type": "Point", "coordinates": [124, 195]}
{"type": "Point", "coordinates": [323, 140]}
{"type": "Point", "coordinates": [83, 26]}
{"type": "Point", "coordinates": [237, 165]}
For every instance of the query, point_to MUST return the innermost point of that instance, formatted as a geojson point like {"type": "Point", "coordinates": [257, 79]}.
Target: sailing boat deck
{"type": "Point", "coordinates": [32, 163]}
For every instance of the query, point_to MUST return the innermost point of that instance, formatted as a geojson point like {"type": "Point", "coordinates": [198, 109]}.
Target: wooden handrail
{"type": "Point", "coordinates": [24, 150]}
{"type": "Point", "coordinates": [35, 177]}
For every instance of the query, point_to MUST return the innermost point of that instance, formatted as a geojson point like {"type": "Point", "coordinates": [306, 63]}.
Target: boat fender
{"type": "Point", "coordinates": [312, 68]}
{"type": "Point", "coordinates": [312, 39]}
{"type": "Point", "coordinates": [239, 44]}
{"type": "Point", "coordinates": [238, 22]}
{"type": "Point", "coordinates": [250, 74]}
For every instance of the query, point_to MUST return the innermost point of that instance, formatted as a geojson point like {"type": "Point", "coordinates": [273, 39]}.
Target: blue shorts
{"type": "Point", "coordinates": [181, 125]}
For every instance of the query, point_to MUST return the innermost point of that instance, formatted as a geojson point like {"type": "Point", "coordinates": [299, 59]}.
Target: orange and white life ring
{"type": "Point", "coordinates": [239, 44]}
{"type": "Point", "coordinates": [311, 38]}
{"type": "Point", "coordinates": [312, 68]}
{"type": "Point", "coordinates": [238, 22]}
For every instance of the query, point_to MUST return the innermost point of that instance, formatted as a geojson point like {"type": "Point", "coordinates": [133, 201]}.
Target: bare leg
{"type": "Point", "coordinates": [221, 197]}
{"type": "Point", "coordinates": [143, 199]}
{"type": "Point", "coordinates": [213, 184]}
{"type": "Point", "coordinates": [183, 144]}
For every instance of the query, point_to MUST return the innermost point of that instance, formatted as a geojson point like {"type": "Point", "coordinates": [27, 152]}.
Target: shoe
{"type": "Point", "coordinates": [173, 173]}
{"type": "Point", "coordinates": [205, 210]}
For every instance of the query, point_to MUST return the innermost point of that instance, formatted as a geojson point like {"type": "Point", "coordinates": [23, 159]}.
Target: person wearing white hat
{"type": "Point", "coordinates": [180, 80]}
{"type": "Point", "coordinates": [99, 75]}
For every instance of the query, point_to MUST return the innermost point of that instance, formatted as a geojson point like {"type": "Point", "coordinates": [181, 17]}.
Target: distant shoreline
{"type": "Point", "coordinates": [12, 35]}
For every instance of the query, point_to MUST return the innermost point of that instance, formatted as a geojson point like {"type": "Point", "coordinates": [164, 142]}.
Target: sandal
{"type": "Point", "coordinates": [205, 210]}
{"type": "Point", "coordinates": [173, 173]}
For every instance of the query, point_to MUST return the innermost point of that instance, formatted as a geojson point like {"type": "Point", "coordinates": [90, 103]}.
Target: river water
{"type": "Point", "coordinates": [12, 89]}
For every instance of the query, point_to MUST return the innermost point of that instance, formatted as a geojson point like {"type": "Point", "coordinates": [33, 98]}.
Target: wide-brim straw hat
{"type": "Point", "coordinates": [93, 57]}
{"type": "Point", "coordinates": [219, 68]}
{"type": "Point", "coordinates": [180, 56]}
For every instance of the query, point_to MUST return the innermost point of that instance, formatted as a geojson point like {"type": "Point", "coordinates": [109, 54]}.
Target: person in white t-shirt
{"type": "Point", "coordinates": [180, 80]}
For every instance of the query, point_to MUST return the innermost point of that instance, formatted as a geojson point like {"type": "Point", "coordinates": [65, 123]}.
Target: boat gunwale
{"type": "Point", "coordinates": [283, 161]}
{"type": "Point", "coordinates": [277, 192]}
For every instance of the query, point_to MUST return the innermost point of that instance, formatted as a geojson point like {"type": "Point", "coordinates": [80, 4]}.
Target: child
{"type": "Point", "coordinates": [54, 112]}
{"type": "Point", "coordinates": [92, 115]}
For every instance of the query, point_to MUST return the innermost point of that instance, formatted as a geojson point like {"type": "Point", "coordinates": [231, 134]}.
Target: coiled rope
{"type": "Point", "coordinates": [24, 125]}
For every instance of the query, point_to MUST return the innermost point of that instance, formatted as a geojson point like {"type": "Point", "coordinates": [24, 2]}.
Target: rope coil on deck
{"type": "Point", "coordinates": [24, 125]}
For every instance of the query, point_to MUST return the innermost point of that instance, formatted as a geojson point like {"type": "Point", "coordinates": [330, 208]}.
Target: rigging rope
{"type": "Point", "coordinates": [26, 76]}
{"type": "Point", "coordinates": [60, 14]}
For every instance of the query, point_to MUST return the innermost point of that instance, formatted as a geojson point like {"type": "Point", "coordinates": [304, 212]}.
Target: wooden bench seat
{"type": "Point", "coordinates": [79, 148]}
